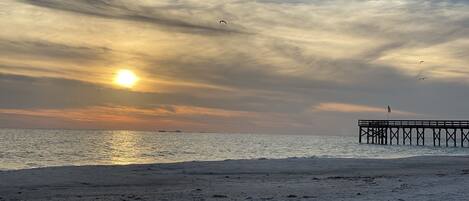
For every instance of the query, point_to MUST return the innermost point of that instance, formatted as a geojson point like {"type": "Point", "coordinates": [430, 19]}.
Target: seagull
{"type": "Point", "coordinates": [222, 22]}
{"type": "Point", "coordinates": [422, 78]}
{"type": "Point", "coordinates": [421, 61]}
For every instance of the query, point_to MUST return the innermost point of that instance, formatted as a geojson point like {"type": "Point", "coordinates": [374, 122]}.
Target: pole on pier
{"type": "Point", "coordinates": [437, 136]}
{"type": "Point", "coordinates": [397, 136]}
{"type": "Point", "coordinates": [380, 136]}
{"type": "Point", "coordinates": [391, 136]}
{"type": "Point", "coordinates": [368, 135]}
{"type": "Point", "coordinates": [383, 136]}
{"type": "Point", "coordinates": [410, 137]}
{"type": "Point", "coordinates": [446, 132]}
{"type": "Point", "coordinates": [360, 135]}
{"type": "Point", "coordinates": [386, 136]}
{"type": "Point", "coordinates": [403, 136]}
{"type": "Point", "coordinates": [454, 139]}
{"type": "Point", "coordinates": [462, 137]}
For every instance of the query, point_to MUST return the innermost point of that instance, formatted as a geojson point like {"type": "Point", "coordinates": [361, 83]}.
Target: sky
{"type": "Point", "coordinates": [277, 66]}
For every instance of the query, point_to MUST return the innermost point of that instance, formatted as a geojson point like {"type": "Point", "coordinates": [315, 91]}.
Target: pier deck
{"type": "Point", "coordinates": [406, 131]}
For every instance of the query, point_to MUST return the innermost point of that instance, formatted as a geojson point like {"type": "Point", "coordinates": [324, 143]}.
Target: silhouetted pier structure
{"type": "Point", "coordinates": [455, 132]}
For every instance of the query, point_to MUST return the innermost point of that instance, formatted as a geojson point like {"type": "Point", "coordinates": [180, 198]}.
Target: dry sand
{"type": "Point", "coordinates": [418, 178]}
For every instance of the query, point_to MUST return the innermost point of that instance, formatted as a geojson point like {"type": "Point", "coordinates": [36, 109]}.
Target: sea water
{"type": "Point", "coordinates": [32, 148]}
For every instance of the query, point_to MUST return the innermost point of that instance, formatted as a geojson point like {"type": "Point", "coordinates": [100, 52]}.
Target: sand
{"type": "Point", "coordinates": [417, 178]}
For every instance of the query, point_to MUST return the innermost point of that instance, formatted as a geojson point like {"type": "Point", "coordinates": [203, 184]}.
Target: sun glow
{"type": "Point", "coordinates": [126, 78]}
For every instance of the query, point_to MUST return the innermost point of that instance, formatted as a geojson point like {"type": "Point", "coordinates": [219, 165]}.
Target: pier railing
{"type": "Point", "coordinates": [415, 123]}
{"type": "Point", "coordinates": [405, 131]}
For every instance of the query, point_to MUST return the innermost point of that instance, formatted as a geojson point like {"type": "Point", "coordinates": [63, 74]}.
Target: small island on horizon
{"type": "Point", "coordinates": [169, 131]}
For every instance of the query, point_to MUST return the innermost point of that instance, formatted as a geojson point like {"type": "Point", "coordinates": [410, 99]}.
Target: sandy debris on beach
{"type": "Point", "coordinates": [418, 178]}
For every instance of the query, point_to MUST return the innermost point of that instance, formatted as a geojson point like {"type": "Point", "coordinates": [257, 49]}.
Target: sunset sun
{"type": "Point", "coordinates": [126, 78]}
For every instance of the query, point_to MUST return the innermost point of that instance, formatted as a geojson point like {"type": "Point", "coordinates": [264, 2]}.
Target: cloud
{"type": "Point", "coordinates": [122, 114]}
{"type": "Point", "coordinates": [168, 16]}
{"type": "Point", "coordinates": [354, 108]}
{"type": "Point", "coordinates": [24, 92]}
{"type": "Point", "coordinates": [47, 50]}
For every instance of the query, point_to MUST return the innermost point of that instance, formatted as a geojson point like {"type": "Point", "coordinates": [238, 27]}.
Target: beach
{"type": "Point", "coordinates": [414, 178]}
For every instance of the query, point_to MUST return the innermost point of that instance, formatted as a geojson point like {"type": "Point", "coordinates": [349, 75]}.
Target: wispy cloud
{"type": "Point", "coordinates": [168, 16]}
{"type": "Point", "coordinates": [354, 108]}
{"type": "Point", "coordinates": [123, 114]}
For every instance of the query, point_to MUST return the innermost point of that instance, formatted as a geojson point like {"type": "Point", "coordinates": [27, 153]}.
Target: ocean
{"type": "Point", "coordinates": [34, 148]}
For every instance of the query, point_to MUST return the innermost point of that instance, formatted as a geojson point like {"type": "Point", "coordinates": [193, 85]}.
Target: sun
{"type": "Point", "coordinates": [126, 78]}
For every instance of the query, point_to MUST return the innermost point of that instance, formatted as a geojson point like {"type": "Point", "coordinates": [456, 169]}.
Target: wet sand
{"type": "Point", "coordinates": [417, 178]}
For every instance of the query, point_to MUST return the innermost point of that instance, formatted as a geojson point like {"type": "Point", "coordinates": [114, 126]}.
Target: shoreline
{"type": "Point", "coordinates": [224, 160]}
{"type": "Point", "coordinates": [412, 178]}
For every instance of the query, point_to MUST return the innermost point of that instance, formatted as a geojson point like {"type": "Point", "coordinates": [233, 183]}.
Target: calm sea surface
{"type": "Point", "coordinates": [20, 148]}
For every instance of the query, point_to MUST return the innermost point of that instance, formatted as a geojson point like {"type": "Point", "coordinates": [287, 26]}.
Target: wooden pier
{"type": "Point", "coordinates": [454, 133]}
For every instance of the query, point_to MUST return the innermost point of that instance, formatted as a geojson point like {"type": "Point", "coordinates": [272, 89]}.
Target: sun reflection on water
{"type": "Point", "coordinates": [123, 148]}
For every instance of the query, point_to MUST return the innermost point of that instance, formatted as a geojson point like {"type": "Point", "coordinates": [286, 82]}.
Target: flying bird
{"type": "Point", "coordinates": [421, 61]}
{"type": "Point", "coordinates": [223, 22]}
{"type": "Point", "coordinates": [389, 109]}
{"type": "Point", "coordinates": [422, 78]}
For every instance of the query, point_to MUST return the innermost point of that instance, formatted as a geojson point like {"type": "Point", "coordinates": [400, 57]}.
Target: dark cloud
{"type": "Point", "coordinates": [349, 81]}
{"type": "Point", "coordinates": [24, 92]}
{"type": "Point", "coordinates": [293, 2]}
{"type": "Point", "coordinates": [161, 16]}
{"type": "Point", "coordinates": [46, 50]}
{"type": "Point", "coordinates": [31, 69]}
